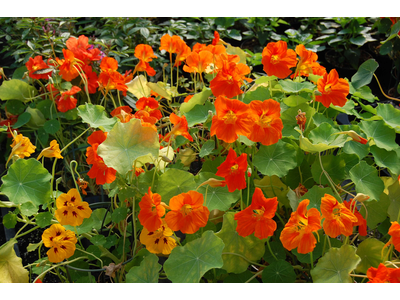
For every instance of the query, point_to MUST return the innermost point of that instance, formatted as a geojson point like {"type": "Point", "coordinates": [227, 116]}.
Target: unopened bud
{"type": "Point", "coordinates": [166, 159]}
{"type": "Point", "coordinates": [248, 172]}
{"type": "Point", "coordinates": [361, 197]}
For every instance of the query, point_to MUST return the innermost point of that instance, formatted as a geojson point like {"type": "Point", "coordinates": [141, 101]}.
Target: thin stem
{"type": "Point", "coordinates": [41, 275]}
{"type": "Point", "coordinates": [270, 250]}
{"type": "Point", "coordinates": [244, 257]}
{"type": "Point", "coordinates": [255, 275]}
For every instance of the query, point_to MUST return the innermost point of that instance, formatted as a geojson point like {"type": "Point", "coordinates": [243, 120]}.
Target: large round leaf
{"type": "Point", "coordinates": [96, 117]}
{"type": "Point", "coordinates": [197, 99]}
{"type": "Point", "coordinates": [383, 136]}
{"type": "Point", "coordinates": [377, 210]}
{"type": "Point", "coordinates": [334, 165]}
{"type": "Point", "coordinates": [147, 272]}
{"type": "Point", "coordinates": [390, 115]}
{"type": "Point", "coordinates": [27, 181]}
{"type": "Point", "coordinates": [16, 89]}
{"type": "Point", "coordinates": [369, 251]}
{"type": "Point", "coordinates": [336, 265]}
{"type": "Point", "coordinates": [279, 271]}
{"type": "Point", "coordinates": [314, 195]}
{"type": "Point", "coordinates": [364, 74]}
{"type": "Point", "coordinates": [386, 159]}
{"type": "Point", "coordinates": [276, 159]}
{"type": "Point", "coordinates": [366, 179]}
{"type": "Point", "coordinates": [189, 263]}
{"type": "Point", "coordinates": [11, 268]}
{"type": "Point", "coordinates": [126, 142]}
{"type": "Point", "coordinates": [393, 193]}
{"type": "Point", "coordinates": [272, 186]}
{"type": "Point", "coordinates": [174, 182]}
{"type": "Point", "coordinates": [250, 247]}
{"type": "Point", "coordinates": [218, 197]}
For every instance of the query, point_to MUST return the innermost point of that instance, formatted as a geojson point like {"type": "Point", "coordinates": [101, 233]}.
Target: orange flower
{"type": "Point", "coordinates": [82, 185]}
{"type": "Point", "coordinates": [123, 113]}
{"type": "Point", "coordinates": [146, 119]}
{"type": "Point", "coordinates": [61, 241]}
{"type": "Point", "coordinates": [150, 105]}
{"type": "Point", "coordinates": [198, 62]}
{"type": "Point", "coordinates": [361, 222]}
{"type": "Point", "coordinates": [298, 231]}
{"type": "Point", "coordinates": [37, 64]}
{"type": "Point", "coordinates": [180, 128]}
{"type": "Point", "coordinates": [145, 54]}
{"type": "Point", "coordinates": [182, 52]}
{"type": "Point", "coordinates": [338, 218]}
{"type": "Point", "coordinates": [111, 81]}
{"type": "Point", "coordinates": [158, 241]}
{"type": "Point", "coordinates": [138, 171]}
{"type": "Point", "coordinates": [67, 101]}
{"type": "Point", "coordinates": [108, 64]}
{"type": "Point", "coordinates": [394, 232]}
{"type": "Point", "coordinates": [277, 59]}
{"type": "Point", "coordinates": [151, 211]}
{"type": "Point", "coordinates": [99, 170]}
{"type": "Point", "coordinates": [67, 68]}
{"type": "Point", "coordinates": [333, 89]}
{"type": "Point", "coordinates": [258, 216]}
{"type": "Point", "coordinates": [187, 212]}
{"type": "Point", "coordinates": [21, 146]}
{"type": "Point", "coordinates": [229, 80]}
{"type": "Point", "coordinates": [188, 98]}
{"type": "Point", "coordinates": [71, 210]}
{"type": "Point", "coordinates": [216, 38]}
{"type": "Point", "coordinates": [198, 47]}
{"type": "Point", "coordinates": [81, 49]}
{"type": "Point", "coordinates": [52, 151]}
{"type": "Point", "coordinates": [91, 78]}
{"type": "Point", "coordinates": [382, 274]}
{"type": "Point", "coordinates": [233, 169]}
{"type": "Point", "coordinates": [232, 119]}
{"type": "Point", "coordinates": [53, 91]}
{"type": "Point", "coordinates": [168, 43]}
{"type": "Point", "coordinates": [355, 136]}
{"type": "Point", "coordinates": [308, 60]}
{"type": "Point", "coordinates": [267, 128]}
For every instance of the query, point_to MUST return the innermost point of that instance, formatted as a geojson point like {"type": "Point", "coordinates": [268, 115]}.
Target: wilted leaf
{"type": "Point", "coordinates": [11, 269]}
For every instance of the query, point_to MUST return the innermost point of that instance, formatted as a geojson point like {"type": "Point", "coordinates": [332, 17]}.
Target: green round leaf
{"type": "Point", "coordinates": [279, 272]}
{"type": "Point", "coordinates": [366, 179]}
{"type": "Point", "coordinates": [207, 148]}
{"type": "Point", "coordinates": [394, 200]}
{"type": "Point", "coordinates": [277, 249]}
{"type": "Point", "coordinates": [364, 73]}
{"type": "Point", "coordinates": [43, 136]}
{"type": "Point", "coordinates": [96, 117]}
{"type": "Point", "coordinates": [250, 247]}
{"type": "Point", "coordinates": [314, 195]}
{"type": "Point", "coordinates": [37, 118]}
{"type": "Point", "coordinates": [125, 143]}
{"type": "Point", "coordinates": [47, 108]}
{"type": "Point", "coordinates": [199, 113]}
{"type": "Point", "coordinates": [383, 136]}
{"type": "Point", "coordinates": [174, 182]}
{"type": "Point", "coordinates": [43, 219]}
{"type": "Point", "coordinates": [98, 240]}
{"type": "Point", "coordinates": [215, 198]}
{"type": "Point", "coordinates": [390, 115]}
{"type": "Point", "coordinates": [16, 89]}
{"type": "Point", "coordinates": [334, 165]}
{"type": "Point", "coordinates": [276, 159]}
{"type": "Point", "coordinates": [386, 159]}
{"type": "Point", "coordinates": [119, 214]}
{"type": "Point", "coordinates": [147, 272]}
{"type": "Point", "coordinates": [379, 209]}
{"type": "Point", "coordinates": [189, 263]}
{"type": "Point", "coordinates": [52, 126]}
{"type": "Point", "coordinates": [369, 251]}
{"type": "Point", "coordinates": [290, 86]}
{"type": "Point", "coordinates": [336, 265]}
{"type": "Point", "coordinates": [27, 181]}
{"type": "Point", "coordinates": [15, 107]}
{"type": "Point", "coordinates": [22, 120]}
{"type": "Point", "coordinates": [199, 98]}
{"type": "Point", "coordinates": [10, 220]}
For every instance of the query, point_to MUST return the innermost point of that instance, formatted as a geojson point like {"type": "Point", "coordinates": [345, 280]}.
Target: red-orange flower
{"type": "Point", "coordinates": [382, 274]}
{"type": "Point", "coordinates": [123, 113]}
{"type": "Point", "coordinates": [216, 38]}
{"type": "Point", "coordinates": [68, 65]}
{"type": "Point", "coordinates": [333, 89]}
{"type": "Point", "coordinates": [307, 63]}
{"type": "Point", "coordinates": [145, 54]}
{"type": "Point", "coordinates": [146, 119]}
{"type": "Point", "coordinates": [198, 47]}
{"type": "Point", "coordinates": [180, 127]}
{"type": "Point", "coordinates": [267, 128]}
{"type": "Point", "coordinates": [258, 216]}
{"type": "Point", "coordinates": [99, 170]}
{"type": "Point", "coordinates": [187, 212]}
{"type": "Point", "coordinates": [361, 222]}
{"type": "Point", "coordinates": [182, 52]}
{"type": "Point", "coordinates": [394, 232]}
{"type": "Point", "coordinates": [37, 64]}
{"type": "Point", "coordinates": [198, 62]}
{"type": "Point", "coordinates": [338, 218]}
{"type": "Point", "coordinates": [108, 64]}
{"type": "Point", "coordinates": [91, 78]}
{"type": "Point", "coordinates": [67, 101]}
{"type": "Point", "coordinates": [151, 211]}
{"type": "Point", "coordinates": [298, 231]}
{"type": "Point", "coordinates": [81, 49]}
{"type": "Point", "coordinates": [111, 81]}
{"type": "Point", "coordinates": [232, 119]}
{"type": "Point", "coordinates": [233, 169]}
{"type": "Point", "coordinates": [277, 59]}
{"type": "Point", "coordinates": [150, 105]}
{"type": "Point", "coordinates": [229, 80]}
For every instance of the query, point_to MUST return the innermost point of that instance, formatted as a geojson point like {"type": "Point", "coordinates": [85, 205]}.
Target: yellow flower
{"type": "Point", "coordinates": [159, 241]}
{"type": "Point", "coordinates": [52, 151]}
{"type": "Point", "coordinates": [61, 241]}
{"type": "Point", "coordinates": [71, 210]}
{"type": "Point", "coordinates": [21, 146]}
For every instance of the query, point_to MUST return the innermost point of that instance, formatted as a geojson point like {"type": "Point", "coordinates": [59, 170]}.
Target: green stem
{"type": "Point", "coordinates": [41, 275]}
{"type": "Point", "coordinates": [255, 275]}
{"type": "Point", "coordinates": [311, 260]}
{"type": "Point", "coordinates": [17, 236]}
{"type": "Point", "coordinates": [244, 257]}
{"type": "Point", "coordinates": [270, 250]}
{"type": "Point", "coordinates": [75, 139]}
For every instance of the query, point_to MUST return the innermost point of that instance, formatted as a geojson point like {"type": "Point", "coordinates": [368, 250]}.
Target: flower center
{"type": "Point", "coordinates": [327, 88]}
{"type": "Point", "coordinates": [234, 168]}
{"type": "Point", "coordinates": [257, 213]}
{"type": "Point", "coordinates": [264, 120]}
{"type": "Point", "coordinates": [229, 117]}
{"type": "Point", "coordinates": [186, 210]}
{"type": "Point", "coordinates": [336, 212]}
{"type": "Point", "coordinates": [274, 59]}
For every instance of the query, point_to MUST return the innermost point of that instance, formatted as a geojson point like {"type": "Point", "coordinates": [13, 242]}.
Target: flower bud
{"type": "Point", "coordinates": [361, 197]}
